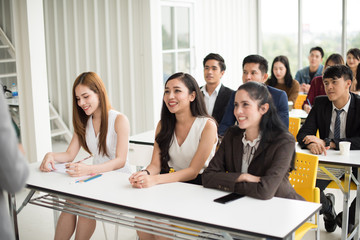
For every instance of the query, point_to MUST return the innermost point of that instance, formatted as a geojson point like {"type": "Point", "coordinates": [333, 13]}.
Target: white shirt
{"type": "Point", "coordinates": [210, 99]}
{"type": "Point", "coordinates": [250, 148]}
{"type": "Point", "coordinates": [343, 116]}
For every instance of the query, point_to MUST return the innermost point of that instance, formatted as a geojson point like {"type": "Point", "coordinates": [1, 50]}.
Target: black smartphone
{"type": "Point", "coordinates": [228, 198]}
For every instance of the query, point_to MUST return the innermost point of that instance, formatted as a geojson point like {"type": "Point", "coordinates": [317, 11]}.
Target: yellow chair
{"type": "Point", "coordinates": [300, 101]}
{"type": "Point", "coordinates": [294, 125]}
{"type": "Point", "coordinates": [303, 179]}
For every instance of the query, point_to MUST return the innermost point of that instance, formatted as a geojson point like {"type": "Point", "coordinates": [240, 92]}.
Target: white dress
{"type": "Point", "coordinates": [92, 142]}
{"type": "Point", "coordinates": [181, 156]}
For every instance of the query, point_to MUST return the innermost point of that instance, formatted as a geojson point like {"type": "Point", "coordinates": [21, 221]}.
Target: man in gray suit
{"type": "Point", "coordinates": [216, 95]}
{"type": "Point", "coordinates": [13, 168]}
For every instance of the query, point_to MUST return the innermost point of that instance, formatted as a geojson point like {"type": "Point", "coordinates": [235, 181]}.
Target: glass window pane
{"type": "Point", "coordinates": [168, 65]}
{"type": "Point", "coordinates": [184, 62]}
{"type": "Point", "coordinates": [280, 31]}
{"type": "Point", "coordinates": [322, 28]}
{"type": "Point", "coordinates": [353, 26]}
{"type": "Point", "coordinates": [183, 28]}
{"type": "Point", "coordinates": [167, 27]}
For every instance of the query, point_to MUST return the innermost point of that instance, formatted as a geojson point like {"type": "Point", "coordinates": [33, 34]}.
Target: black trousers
{"type": "Point", "coordinates": [326, 204]}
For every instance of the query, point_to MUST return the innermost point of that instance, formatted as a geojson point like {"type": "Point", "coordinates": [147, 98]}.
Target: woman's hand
{"type": "Point", "coordinates": [142, 180]}
{"type": "Point", "coordinates": [246, 177]}
{"type": "Point", "coordinates": [78, 169]}
{"type": "Point", "coordinates": [48, 159]}
{"type": "Point", "coordinates": [307, 108]}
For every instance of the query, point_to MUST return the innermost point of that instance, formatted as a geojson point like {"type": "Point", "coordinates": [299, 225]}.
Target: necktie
{"type": "Point", "coordinates": [337, 124]}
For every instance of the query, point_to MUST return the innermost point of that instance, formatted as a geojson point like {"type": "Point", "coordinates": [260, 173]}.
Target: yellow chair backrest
{"type": "Point", "coordinates": [294, 125]}
{"type": "Point", "coordinates": [303, 178]}
{"type": "Point", "coordinates": [300, 101]}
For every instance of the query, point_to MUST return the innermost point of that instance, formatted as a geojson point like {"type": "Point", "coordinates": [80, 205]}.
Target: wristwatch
{"type": "Point", "coordinates": [327, 142]}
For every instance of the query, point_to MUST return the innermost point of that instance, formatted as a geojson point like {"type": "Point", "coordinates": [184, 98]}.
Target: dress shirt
{"type": "Point", "coordinates": [250, 148]}
{"type": "Point", "coordinates": [210, 99]}
{"type": "Point", "coordinates": [343, 117]}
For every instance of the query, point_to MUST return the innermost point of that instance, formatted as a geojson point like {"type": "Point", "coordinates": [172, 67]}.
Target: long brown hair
{"type": "Point", "coordinates": [80, 119]}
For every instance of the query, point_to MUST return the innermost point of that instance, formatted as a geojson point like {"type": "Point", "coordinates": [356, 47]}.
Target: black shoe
{"type": "Point", "coordinates": [330, 218]}
{"type": "Point", "coordinates": [339, 223]}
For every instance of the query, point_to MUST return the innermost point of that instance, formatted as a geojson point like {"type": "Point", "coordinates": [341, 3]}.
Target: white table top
{"type": "Point", "coordinates": [184, 201]}
{"type": "Point", "coordinates": [299, 113]}
{"type": "Point", "coordinates": [146, 138]}
{"type": "Point", "coordinates": [334, 157]}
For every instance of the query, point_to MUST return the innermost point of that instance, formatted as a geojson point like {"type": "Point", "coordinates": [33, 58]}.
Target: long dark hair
{"type": "Point", "coordinates": [168, 120]}
{"type": "Point", "coordinates": [270, 125]}
{"type": "Point", "coordinates": [357, 77]}
{"type": "Point", "coordinates": [272, 81]}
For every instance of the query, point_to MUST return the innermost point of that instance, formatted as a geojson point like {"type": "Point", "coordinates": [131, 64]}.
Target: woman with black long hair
{"type": "Point", "coordinates": [282, 79]}
{"type": "Point", "coordinates": [255, 157]}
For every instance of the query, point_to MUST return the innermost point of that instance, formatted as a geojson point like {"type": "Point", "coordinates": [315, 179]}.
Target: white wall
{"type": "Point", "coordinates": [112, 38]}
{"type": "Point", "coordinates": [121, 41]}
{"type": "Point", "coordinates": [229, 29]}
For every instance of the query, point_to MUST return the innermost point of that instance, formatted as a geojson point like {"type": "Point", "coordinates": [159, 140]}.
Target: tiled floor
{"type": "Point", "coordinates": [37, 223]}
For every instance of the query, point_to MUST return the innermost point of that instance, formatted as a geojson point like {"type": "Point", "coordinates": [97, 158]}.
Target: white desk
{"type": "Point", "coordinates": [332, 167]}
{"type": "Point", "coordinates": [298, 113]}
{"type": "Point", "coordinates": [172, 204]}
{"type": "Point", "coordinates": [145, 138]}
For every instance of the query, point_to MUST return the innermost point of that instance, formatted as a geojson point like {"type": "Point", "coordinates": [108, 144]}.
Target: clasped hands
{"type": "Point", "coordinates": [142, 180]}
{"type": "Point", "coordinates": [315, 145]}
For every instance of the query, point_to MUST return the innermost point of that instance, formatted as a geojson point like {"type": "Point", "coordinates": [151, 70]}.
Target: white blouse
{"type": "Point", "coordinates": [92, 142]}
{"type": "Point", "coordinates": [181, 156]}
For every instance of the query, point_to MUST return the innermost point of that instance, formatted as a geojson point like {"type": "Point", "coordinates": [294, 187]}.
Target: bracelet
{"type": "Point", "coordinates": [147, 171]}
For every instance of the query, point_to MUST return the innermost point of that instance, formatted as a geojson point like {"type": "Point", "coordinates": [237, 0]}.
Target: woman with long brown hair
{"type": "Point", "coordinates": [103, 133]}
{"type": "Point", "coordinates": [185, 140]}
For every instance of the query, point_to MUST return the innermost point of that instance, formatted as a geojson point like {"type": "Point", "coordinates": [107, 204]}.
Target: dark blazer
{"type": "Point", "coordinates": [271, 162]}
{"type": "Point", "coordinates": [280, 101]}
{"type": "Point", "coordinates": [320, 118]}
{"type": "Point", "coordinates": [221, 102]}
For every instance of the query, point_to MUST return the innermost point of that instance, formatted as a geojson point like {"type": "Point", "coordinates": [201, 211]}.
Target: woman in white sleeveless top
{"type": "Point", "coordinates": [103, 133]}
{"type": "Point", "coordinates": [185, 141]}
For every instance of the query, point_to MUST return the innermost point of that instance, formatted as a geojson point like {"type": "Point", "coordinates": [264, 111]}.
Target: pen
{"type": "Point", "coordinates": [89, 178]}
{"type": "Point", "coordinates": [308, 102]}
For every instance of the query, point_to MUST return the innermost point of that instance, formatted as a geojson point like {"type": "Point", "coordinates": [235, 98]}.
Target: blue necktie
{"type": "Point", "coordinates": [337, 124]}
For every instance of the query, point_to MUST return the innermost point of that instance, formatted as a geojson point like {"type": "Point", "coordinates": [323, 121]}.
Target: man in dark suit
{"type": "Point", "coordinates": [337, 118]}
{"type": "Point", "coordinates": [216, 95]}
{"type": "Point", "coordinates": [255, 68]}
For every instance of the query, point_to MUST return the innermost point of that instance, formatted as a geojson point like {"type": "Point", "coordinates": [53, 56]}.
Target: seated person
{"type": "Point", "coordinates": [305, 75]}
{"type": "Point", "coordinates": [108, 143]}
{"type": "Point", "coordinates": [282, 79]}
{"type": "Point", "coordinates": [185, 138]}
{"type": "Point", "coordinates": [352, 61]}
{"type": "Point", "coordinates": [317, 85]}
{"type": "Point", "coordinates": [336, 118]}
{"type": "Point", "coordinates": [255, 68]}
{"type": "Point", "coordinates": [254, 158]}
{"type": "Point", "coordinates": [216, 95]}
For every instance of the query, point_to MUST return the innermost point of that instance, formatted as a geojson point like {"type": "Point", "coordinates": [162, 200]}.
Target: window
{"type": "Point", "coordinates": [279, 31]}
{"type": "Point", "coordinates": [353, 26]}
{"type": "Point", "coordinates": [322, 26]}
{"type": "Point", "coordinates": [176, 38]}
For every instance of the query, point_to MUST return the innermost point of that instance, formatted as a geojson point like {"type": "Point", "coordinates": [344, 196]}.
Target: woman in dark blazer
{"type": "Point", "coordinates": [255, 157]}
